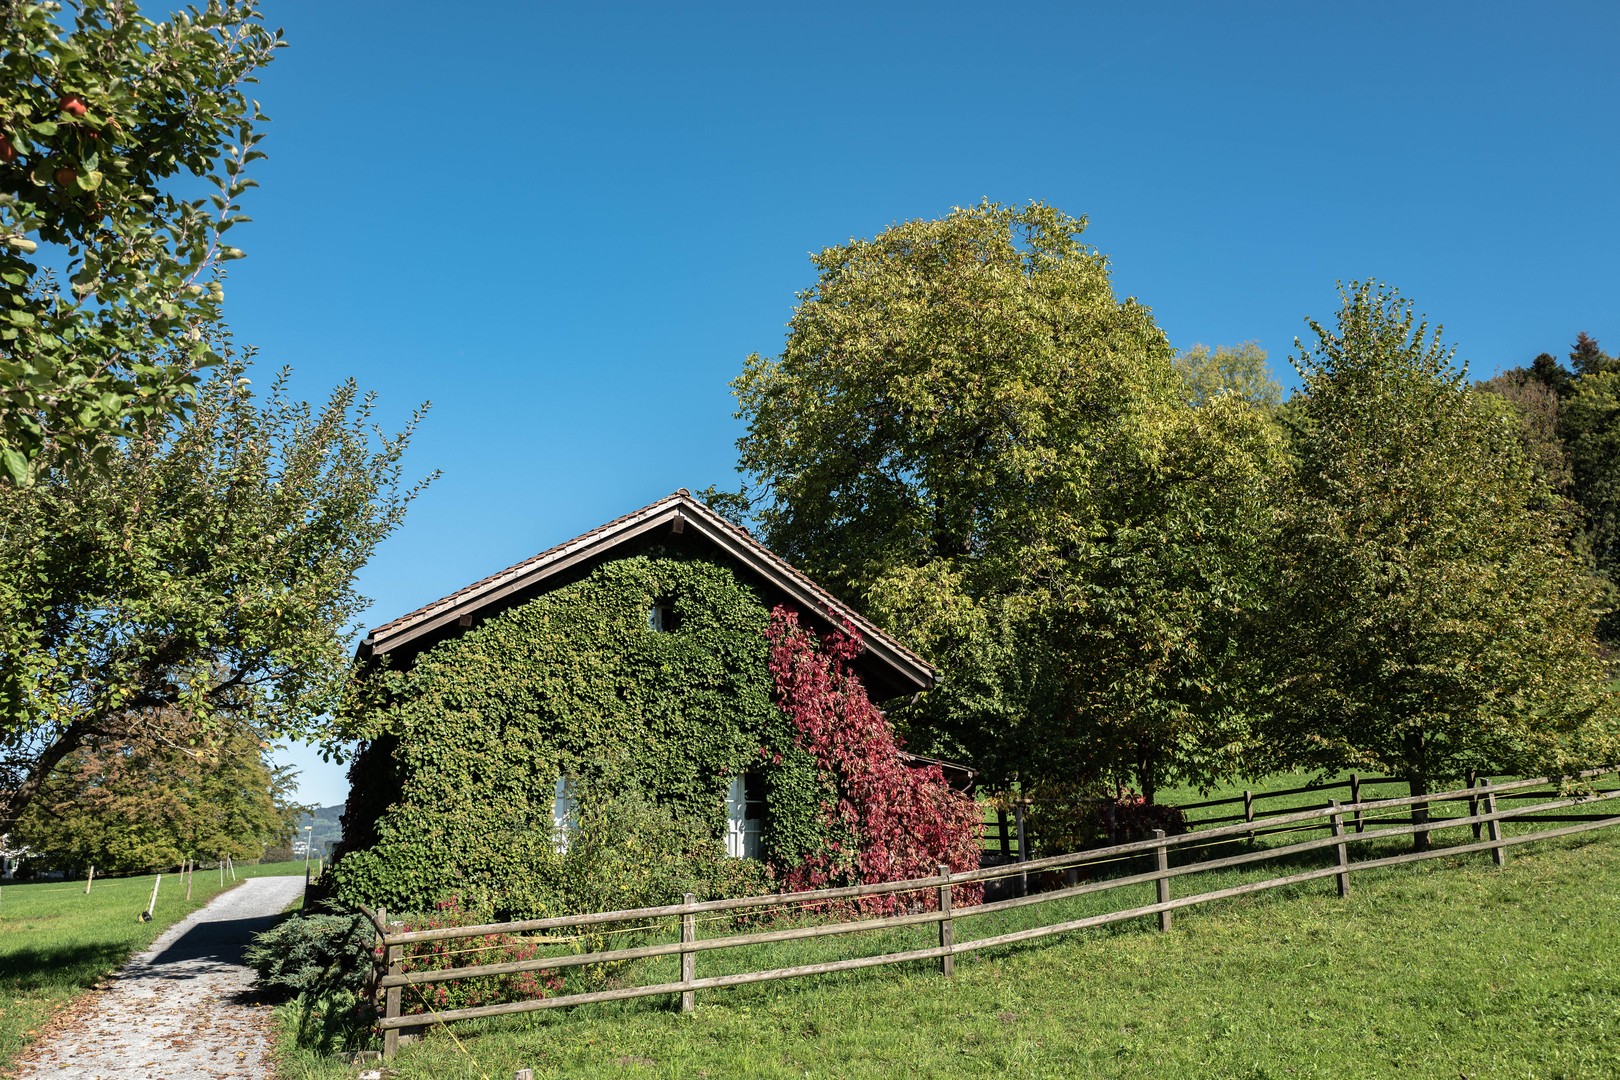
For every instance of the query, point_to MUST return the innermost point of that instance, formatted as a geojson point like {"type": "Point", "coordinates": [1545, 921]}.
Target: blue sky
{"type": "Point", "coordinates": [567, 224]}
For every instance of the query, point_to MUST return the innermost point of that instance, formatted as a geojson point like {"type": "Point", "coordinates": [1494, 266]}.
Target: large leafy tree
{"type": "Point", "coordinates": [207, 572]}
{"type": "Point", "coordinates": [122, 804]}
{"type": "Point", "coordinates": [124, 144]}
{"type": "Point", "coordinates": [1590, 425]}
{"type": "Point", "coordinates": [1572, 424]}
{"type": "Point", "coordinates": [969, 434]}
{"type": "Point", "coordinates": [1228, 369]}
{"type": "Point", "coordinates": [1437, 620]}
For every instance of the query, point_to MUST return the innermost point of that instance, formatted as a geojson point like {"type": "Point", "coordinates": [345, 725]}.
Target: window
{"type": "Point", "coordinates": [564, 814]}
{"type": "Point", "coordinates": [745, 817]}
{"type": "Point", "coordinates": [661, 617]}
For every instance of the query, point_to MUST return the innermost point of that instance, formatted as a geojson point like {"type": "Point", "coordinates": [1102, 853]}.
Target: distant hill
{"type": "Point", "coordinates": [328, 830]}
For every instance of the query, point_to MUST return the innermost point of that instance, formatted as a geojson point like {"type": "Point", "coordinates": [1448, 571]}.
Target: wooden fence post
{"type": "Point", "coordinates": [1002, 834]}
{"type": "Point", "coordinates": [688, 957]}
{"type": "Point", "coordinates": [152, 904]}
{"type": "Point", "coordinates": [391, 1010]}
{"type": "Point", "coordinates": [1248, 809]}
{"type": "Point", "coordinates": [1163, 855]}
{"type": "Point", "coordinates": [947, 932]}
{"type": "Point", "coordinates": [1473, 800]}
{"type": "Point", "coordinates": [1498, 853]}
{"type": "Point", "coordinates": [191, 872]}
{"type": "Point", "coordinates": [89, 879]}
{"type": "Point", "coordinates": [1343, 852]}
{"type": "Point", "coordinates": [1023, 850]}
{"type": "Point", "coordinates": [1355, 800]}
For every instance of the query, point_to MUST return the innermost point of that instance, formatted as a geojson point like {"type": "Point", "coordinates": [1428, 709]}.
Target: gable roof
{"type": "Point", "coordinates": [887, 667]}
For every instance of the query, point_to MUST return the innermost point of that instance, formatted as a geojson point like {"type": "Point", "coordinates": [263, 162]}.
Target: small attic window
{"type": "Point", "coordinates": [661, 616]}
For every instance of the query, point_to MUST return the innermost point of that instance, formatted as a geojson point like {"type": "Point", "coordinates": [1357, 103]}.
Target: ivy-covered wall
{"type": "Point", "coordinates": [453, 793]}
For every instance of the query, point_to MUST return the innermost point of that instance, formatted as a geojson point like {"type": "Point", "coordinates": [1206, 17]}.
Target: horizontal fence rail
{"type": "Point", "coordinates": [1484, 815]}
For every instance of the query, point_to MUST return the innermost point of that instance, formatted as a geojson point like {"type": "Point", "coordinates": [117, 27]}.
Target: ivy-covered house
{"type": "Point", "coordinates": [618, 706]}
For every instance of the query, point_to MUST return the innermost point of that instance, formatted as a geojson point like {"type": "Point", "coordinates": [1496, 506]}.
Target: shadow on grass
{"type": "Point", "coordinates": [61, 966]}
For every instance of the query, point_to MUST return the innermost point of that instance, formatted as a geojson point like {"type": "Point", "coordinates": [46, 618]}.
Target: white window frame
{"type": "Point", "coordinates": [745, 835]}
{"type": "Point", "coordinates": [564, 814]}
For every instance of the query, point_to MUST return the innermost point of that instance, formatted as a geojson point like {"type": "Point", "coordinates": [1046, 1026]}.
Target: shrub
{"type": "Point", "coordinates": [315, 954]}
{"type": "Point", "coordinates": [1068, 817]}
{"type": "Point", "coordinates": [462, 952]}
{"type": "Point", "coordinates": [630, 852]}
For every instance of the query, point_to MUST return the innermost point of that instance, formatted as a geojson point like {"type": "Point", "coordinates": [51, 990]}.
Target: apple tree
{"type": "Point", "coordinates": [124, 148]}
{"type": "Point", "coordinates": [200, 585]}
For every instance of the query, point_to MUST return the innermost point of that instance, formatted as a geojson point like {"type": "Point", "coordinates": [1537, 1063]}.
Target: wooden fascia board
{"type": "Point", "coordinates": [762, 564]}
{"type": "Point", "coordinates": [473, 603]}
{"type": "Point", "coordinates": [872, 638]}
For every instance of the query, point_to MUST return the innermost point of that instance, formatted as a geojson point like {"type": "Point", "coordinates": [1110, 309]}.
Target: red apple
{"type": "Point", "coordinates": [74, 104]}
{"type": "Point", "coordinates": [66, 175]}
{"type": "Point", "coordinates": [8, 152]}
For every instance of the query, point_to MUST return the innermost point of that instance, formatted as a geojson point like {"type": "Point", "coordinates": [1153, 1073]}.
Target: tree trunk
{"type": "Point", "coordinates": [15, 801]}
{"type": "Point", "coordinates": [1417, 778]}
{"type": "Point", "coordinates": [1420, 813]}
{"type": "Point", "coordinates": [1147, 774]}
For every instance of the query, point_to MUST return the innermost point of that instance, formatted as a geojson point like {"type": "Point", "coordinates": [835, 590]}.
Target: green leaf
{"type": "Point", "coordinates": [16, 464]}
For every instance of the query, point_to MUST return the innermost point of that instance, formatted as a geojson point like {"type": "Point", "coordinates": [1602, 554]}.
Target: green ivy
{"type": "Point", "coordinates": [452, 794]}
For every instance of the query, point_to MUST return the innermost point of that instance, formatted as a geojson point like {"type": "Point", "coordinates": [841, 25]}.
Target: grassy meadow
{"type": "Point", "coordinates": [55, 940]}
{"type": "Point", "coordinates": [1447, 968]}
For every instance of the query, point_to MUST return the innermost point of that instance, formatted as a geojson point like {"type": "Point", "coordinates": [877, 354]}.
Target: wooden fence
{"type": "Point", "coordinates": [1483, 813]}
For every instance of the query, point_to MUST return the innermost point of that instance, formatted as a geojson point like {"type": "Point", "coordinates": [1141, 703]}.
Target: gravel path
{"type": "Point", "coordinates": [181, 1010]}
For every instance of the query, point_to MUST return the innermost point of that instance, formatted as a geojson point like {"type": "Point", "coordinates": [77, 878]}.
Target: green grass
{"type": "Point", "coordinates": [1447, 968]}
{"type": "Point", "coordinates": [55, 941]}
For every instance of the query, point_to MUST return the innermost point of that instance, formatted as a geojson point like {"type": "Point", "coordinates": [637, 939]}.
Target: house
{"type": "Point", "coordinates": [632, 657]}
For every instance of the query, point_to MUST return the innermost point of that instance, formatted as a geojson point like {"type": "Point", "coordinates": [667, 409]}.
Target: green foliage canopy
{"type": "Point", "coordinates": [1572, 425]}
{"type": "Point", "coordinates": [129, 806]}
{"type": "Point", "coordinates": [971, 437]}
{"type": "Point", "coordinates": [1227, 369]}
{"type": "Point", "coordinates": [207, 574]}
{"type": "Point", "coordinates": [1436, 620]}
{"type": "Point", "coordinates": [124, 145]}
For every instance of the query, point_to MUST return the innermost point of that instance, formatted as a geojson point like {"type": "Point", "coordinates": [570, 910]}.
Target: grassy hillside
{"type": "Point", "coordinates": [1449, 968]}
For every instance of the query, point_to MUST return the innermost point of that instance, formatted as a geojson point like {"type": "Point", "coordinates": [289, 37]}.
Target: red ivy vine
{"type": "Point", "coordinates": [901, 821]}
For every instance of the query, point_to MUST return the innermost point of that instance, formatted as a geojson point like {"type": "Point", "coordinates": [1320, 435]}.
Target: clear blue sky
{"type": "Point", "coordinates": [567, 224]}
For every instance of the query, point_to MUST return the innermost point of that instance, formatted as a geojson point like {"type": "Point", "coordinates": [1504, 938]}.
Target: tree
{"type": "Point", "coordinates": [1588, 359]}
{"type": "Point", "coordinates": [207, 572]}
{"type": "Point", "coordinates": [128, 805]}
{"type": "Point", "coordinates": [1239, 370]}
{"type": "Point", "coordinates": [1546, 369]}
{"type": "Point", "coordinates": [107, 122]}
{"type": "Point", "coordinates": [1535, 399]}
{"type": "Point", "coordinates": [1435, 619]}
{"type": "Point", "coordinates": [1572, 426]}
{"type": "Point", "coordinates": [1590, 426]}
{"type": "Point", "coordinates": [969, 436]}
